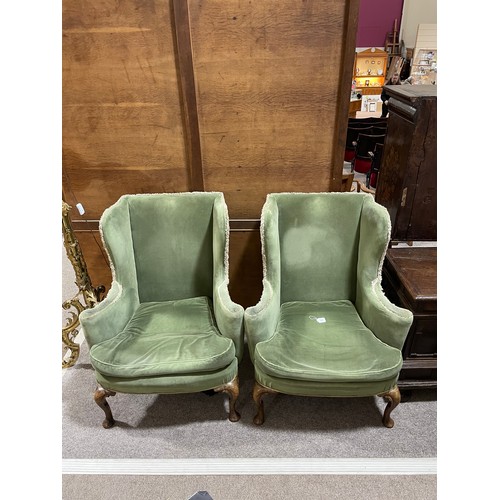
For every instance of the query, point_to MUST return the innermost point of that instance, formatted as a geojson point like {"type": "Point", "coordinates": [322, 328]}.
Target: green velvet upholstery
{"type": "Point", "coordinates": [170, 384]}
{"type": "Point", "coordinates": [326, 341]}
{"type": "Point", "coordinates": [323, 326]}
{"type": "Point", "coordinates": [168, 324]}
{"type": "Point", "coordinates": [174, 337]}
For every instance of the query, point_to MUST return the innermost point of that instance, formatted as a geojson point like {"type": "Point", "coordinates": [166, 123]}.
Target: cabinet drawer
{"type": "Point", "coordinates": [423, 338]}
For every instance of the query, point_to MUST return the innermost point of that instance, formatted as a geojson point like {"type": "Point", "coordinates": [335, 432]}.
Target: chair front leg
{"type": "Point", "coordinates": [233, 390]}
{"type": "Point", "coordinates": [100, 396]}
{"type": "Point", "coordinates": [257, 393]}
{"type": "Point", "coordinates": [393, 398]}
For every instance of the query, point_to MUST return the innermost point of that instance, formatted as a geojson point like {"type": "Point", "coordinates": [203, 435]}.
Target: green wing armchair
{"type": "Point", "coordinates": [323, 326]}
{"type": "Point", "coordinates": [168, 324]}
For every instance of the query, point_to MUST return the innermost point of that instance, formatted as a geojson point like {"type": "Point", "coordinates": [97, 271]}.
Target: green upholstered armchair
{"type": "Point", "coordinates": [323, 326]}
{"type": "Point", "coordinates": [168, 324]}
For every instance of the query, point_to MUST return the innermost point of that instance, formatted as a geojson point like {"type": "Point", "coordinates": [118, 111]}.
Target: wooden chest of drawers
{"type": "Point", "coordinates": [409, 279]}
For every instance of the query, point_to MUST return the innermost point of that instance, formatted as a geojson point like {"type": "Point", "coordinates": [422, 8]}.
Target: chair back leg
{"type": "Point", "coordinates": [393, 398]}
{"type": "Point", "coordinates": [100, 396]}
{"type": "Point", "coordinates": [233, 390]}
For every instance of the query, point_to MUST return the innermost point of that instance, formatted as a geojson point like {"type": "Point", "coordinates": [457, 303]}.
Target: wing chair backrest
{"type": "Point", "coordinates": [318, 244]}
{"type": "Point", "coordinates": [164, 245]}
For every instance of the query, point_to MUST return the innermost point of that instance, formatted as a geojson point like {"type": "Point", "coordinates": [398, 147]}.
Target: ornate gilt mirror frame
{"type": "Point", "coordinates": [91, 296]}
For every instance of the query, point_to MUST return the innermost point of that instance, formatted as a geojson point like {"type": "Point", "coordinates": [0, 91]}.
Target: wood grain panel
{"type": "Point", "coordinates": [122, 117]}
{"type": "Point", "coordinates": [247, 202]}
{"type": "Point", "coordinates": [118, 67]}
{"type": "Point", "coordinates": [238, 30]}
{"type": "Point", "coordinates": [98, 188]}
{"type": "Point", "coordinates": [245, 267]}
{"type": "Point", "coordinates": [268, 85]}
{"type": "Point", "coordinates": [147, 137]}
{"type": "Point", "coordinates": [187, 84]}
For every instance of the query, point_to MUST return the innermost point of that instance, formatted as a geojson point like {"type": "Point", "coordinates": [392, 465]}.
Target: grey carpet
{"type": "Point", "coordinates": [250, 487]}
{"type": "Point", "coordinates": [195, 425]}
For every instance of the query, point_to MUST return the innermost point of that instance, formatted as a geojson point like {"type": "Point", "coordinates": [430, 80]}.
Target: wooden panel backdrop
{"type": "Point", "coordinates": [243, 97]}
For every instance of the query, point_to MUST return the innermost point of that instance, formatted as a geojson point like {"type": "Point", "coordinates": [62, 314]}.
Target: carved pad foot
{"type": "Point", "coordinates": [233, 390]}
{"type": "Point", "coordinates": [100, 396]}
{"type": "Point", "coordinates": [257, 393]}
{"type": "Point", "coordinates": [393, 398]}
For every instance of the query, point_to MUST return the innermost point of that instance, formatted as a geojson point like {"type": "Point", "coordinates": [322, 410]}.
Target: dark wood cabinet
{"type": "Point", "coordinates": [409, 279]}
{"type": "Point", "coordinates": [406, 185]}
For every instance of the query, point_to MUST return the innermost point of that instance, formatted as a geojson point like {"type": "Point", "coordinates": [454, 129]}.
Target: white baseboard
{"type": "Point", "coordinates": [253, 466]}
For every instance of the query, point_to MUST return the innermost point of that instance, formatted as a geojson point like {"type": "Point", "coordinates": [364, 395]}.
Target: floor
{"type": "Point", "coordinates": [357, 176]}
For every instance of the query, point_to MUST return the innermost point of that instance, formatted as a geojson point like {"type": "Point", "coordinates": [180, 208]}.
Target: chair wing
{"type": "Point", "coordinates": [228, 314]}
{"type": "Point", "coordinates": [261, 320]}
{"type": "Point", "coordinates": [387, 321]}
{"type": "Point", "coordinates": [111, 315]}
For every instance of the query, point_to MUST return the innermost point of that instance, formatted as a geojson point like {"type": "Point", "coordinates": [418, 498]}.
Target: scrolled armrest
{"type": "Point", "coordinates": [109, 317]}
{"type": "Point", "coordinates": [387, 321]}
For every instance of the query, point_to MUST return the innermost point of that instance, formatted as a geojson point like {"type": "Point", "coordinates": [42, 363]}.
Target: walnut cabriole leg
{"type": "Point", "coordinates": [393, 398]}
{"type": "Point", "coordinates": [233, 390]}
{"type": "Point", "coordinates": [100, 396]}
{"type": "Point", "coordinates": [257, 393]}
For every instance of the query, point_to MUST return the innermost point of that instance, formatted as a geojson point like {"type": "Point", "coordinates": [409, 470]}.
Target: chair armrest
{"type": "Point", "coordinates": [229, 316]}
{"type": "Point", "coordinates": [387, 321]}
{"type": "Point", "coordinates": [109, 317]}
{"type": "Point", "coordinates": [262, 319]}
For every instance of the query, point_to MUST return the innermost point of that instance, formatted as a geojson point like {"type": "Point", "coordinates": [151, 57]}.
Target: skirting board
{"type": "Point", "coordinates": [252, 466]}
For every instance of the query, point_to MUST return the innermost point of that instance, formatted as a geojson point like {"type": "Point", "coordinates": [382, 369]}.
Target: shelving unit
{"type": "Point", "coordinates": [370, 69]}
{"type": "Point", "coordinates": [424, 61]}
{"type": "Point", "coordinates": [424, 67]}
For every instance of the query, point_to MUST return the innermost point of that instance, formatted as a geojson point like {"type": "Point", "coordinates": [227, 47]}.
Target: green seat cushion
{"type": "Point", "coordinates": [325, 341]}
{"type": "Point", "coordinates": [165, 338]}
{"type": "Point", "coordinates": [170, 384]}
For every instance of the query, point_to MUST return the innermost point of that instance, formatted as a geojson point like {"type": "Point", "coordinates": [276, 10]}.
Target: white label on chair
{"type": "Point", "coordinates": [318, 320]}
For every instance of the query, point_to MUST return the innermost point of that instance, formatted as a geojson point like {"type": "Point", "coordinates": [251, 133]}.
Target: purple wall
{"type": "Point", "coordinates": [376, 19]}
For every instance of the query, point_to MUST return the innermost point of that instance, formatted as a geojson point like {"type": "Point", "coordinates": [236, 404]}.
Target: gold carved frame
{"type": "Point", "coordinates": [91, 296]}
